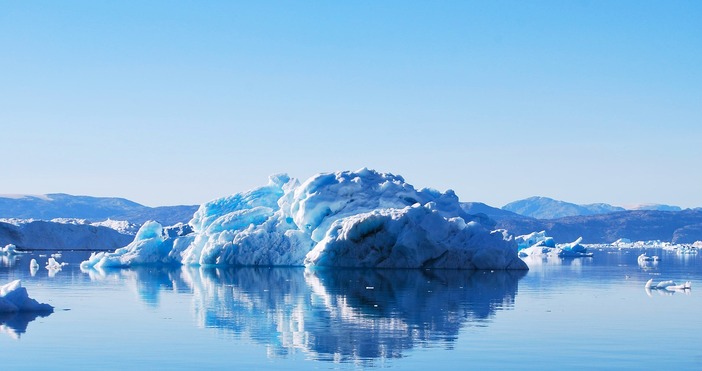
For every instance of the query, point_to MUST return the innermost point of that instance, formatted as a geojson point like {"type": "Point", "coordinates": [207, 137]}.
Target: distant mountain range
{"type": "Point", "coordinates": [596, 223]}
{"type": "Point", "coordinates": [637, 225]}
{"type": "Point", "coordinates": [677, 226]}
{"type": "Point", "coordinates": [59, 205]}
{"type": "Point", "coordinates": [548, 208]}
{"type": "Point", "coordinates": [49, 221]}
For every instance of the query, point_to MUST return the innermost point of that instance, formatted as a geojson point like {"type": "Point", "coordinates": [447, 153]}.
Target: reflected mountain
{"type": "Point", "coordinates": [15, 324]}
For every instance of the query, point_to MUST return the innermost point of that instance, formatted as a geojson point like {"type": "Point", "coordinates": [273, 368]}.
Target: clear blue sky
{"type": "Point", "coordinates": [174, 102]}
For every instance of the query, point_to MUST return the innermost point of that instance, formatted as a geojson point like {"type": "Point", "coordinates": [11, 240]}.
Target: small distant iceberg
{"type": "Point", "coordinates": [646, 258]}
{"type": "Point", "coordinates": [33, 267]}
{"type": "Point", "coordinates": [667, 286]}
{"type": "Point", "coordinates": [53, 264]}
{"type": "Point", "coordinates": [538, 244]}
{"type": "Point", "coordinates": [573, 250]}
{"type": "Point", "coordinates": [9, 249]}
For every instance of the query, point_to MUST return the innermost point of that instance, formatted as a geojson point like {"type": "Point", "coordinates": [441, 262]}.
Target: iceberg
{"type": "Point", "coordinates": [53, 265]}
{"type": "Point", "coordinates": [573, 249]}
{"type": "Point", "coordinates": [534, 239]}
{"type": "Point", "coordinates": [17, 309]}
{"type": "Point", "coordinates": [14, 298]}
{"type": "Point", "coordinates": [9, 249]}
{"type": "Point", "coordinates": [33, 267]}
{"type": "Point", "coordinates": [646, 258]}
{"type": "Point", "coordinates": [342, 219]}
{"type": "Point", "coordinates": [667, 287]}
{"type": "Point", "coordinates": [538, 244]}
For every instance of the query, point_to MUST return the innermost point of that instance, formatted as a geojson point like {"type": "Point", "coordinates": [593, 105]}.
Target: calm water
{"type": "Point", "coordinates": [578, 313]}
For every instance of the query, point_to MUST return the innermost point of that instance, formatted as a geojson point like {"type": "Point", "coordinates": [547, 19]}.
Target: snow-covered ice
{"type": "Point", "coordinates": [350, 219]}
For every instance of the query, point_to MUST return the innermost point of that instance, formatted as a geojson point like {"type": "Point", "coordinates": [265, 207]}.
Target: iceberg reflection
{"type": "Point", "coordinates": [348, 315]}
{"type": "Point", "coordinates": [15, 324]}
{"type": "Point", "coordinates": [148, 282]}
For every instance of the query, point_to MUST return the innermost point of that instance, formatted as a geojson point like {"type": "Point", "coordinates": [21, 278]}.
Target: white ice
{"type": "Point", "coordinates": [361, 218]}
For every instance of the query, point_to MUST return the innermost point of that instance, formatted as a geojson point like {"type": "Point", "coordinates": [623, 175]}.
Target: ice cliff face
{"type": "Point", "coordinates": [343, 219]}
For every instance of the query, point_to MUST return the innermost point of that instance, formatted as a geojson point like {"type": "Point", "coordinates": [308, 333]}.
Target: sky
{"type": "Point", "coordinates": [180, 102]}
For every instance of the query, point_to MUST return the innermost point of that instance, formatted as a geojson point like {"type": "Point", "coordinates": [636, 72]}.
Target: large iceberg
{"type": "Point", "coordinates": [343, 219]}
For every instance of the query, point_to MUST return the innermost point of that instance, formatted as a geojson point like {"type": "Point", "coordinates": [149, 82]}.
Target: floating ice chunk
{"type": "Point", "coordinates": [14, 298]}
{"type": "Point", "coordinates": [353, 213]}
{"type": "Point", "coordinates": [668, 285]}
{"type": "Point", "coordinates": [53, 265]}
{"type": "Point", "coordinates": [33, 267]}
{"type": "Point", "coordinates": [573, 250]}
{"type": "Point", "coordinates": [534, 238]}
{"type": "Point", "coordinates": [538, 244]}
{"type": "Point", "coordinates": [645, 258]}
{"type": "Point", "coordinates": [9, 249]}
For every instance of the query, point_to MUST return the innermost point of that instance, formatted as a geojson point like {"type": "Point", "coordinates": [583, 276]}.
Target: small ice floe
{"type": "Point", "coordinates": [667, 286]}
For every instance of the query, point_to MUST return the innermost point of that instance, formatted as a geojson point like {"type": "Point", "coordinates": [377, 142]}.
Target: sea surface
{"type": "Point", "coordinates": [584, 313]}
